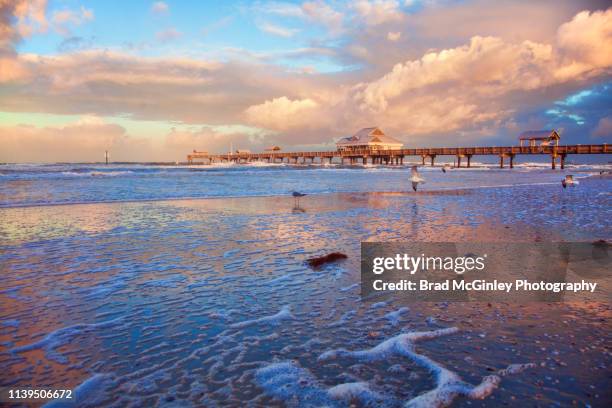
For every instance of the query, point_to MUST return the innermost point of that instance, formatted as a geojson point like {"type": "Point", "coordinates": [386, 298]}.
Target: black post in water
{"type": "Point", "coordinates": [106, 156]}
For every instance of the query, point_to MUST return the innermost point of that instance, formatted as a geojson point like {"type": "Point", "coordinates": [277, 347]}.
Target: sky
{"type": "Point", "coordinates": [154, 80]}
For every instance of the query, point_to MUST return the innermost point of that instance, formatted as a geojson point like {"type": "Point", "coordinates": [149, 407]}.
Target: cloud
{"type": "Point", "coordinates": [177, 143]}
{"type": "Point", "coordinates": [277, 30]}
{"type": "Point", "coordinates": [168, 35]}
{"type": "Point", "coordinates": [486, 64]}
{"type": "Point", "coordinates": [585, 43]}
{"type": "Point", "coordinates": [18, 19]}
{"type": "Point", "coordinates": [175, 89]}
{"type": "Point", "coordinates": [376, 12]}
{"type": "Point", "coordinates": [87, 138]}
{"type": "Point", "coordinates": [63, 19]}
{"type": "Point", "coordinates": [283, 113]}
{"type": "Point", "coordinates": [394, 36]}
{"type": "Point", "coordinates": [30, 18]}
{"type": "Point", "coordinates": [84, 140]}
{"type": "Point", "coordinates": [278, 8]}
{"type": "Point", "coordinates": [159, 7]}
{"type": "Point", "coordinates": [319, 12]}
{"type": "Point", "coordinates": [75, 43]}
{"type": "Point", "coordinates": [604, 128]}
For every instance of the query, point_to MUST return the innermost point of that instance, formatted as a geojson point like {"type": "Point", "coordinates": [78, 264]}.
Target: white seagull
{"type": "Point", "coordinates": [569, 181]}
{"type": "Point", "coordinates": [415, 178]}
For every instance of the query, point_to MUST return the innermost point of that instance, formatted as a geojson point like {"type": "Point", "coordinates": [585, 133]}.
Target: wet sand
{"type": "Point", "coordinates": [209, 302]}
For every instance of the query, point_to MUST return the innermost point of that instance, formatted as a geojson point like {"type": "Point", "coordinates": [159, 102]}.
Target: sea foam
{"type": "Point", "coordinates": [52, 341]}
{"type": "Point", "coordinates": [283, 314]}
{"type": "Point", "coordinates": [448, 384]}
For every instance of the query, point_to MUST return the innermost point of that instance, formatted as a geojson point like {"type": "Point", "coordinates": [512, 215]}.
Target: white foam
{"type": "Point", "coordinates": [515, 369]}
{"type": "Point", "coordinates": [378, 305]}
{"type": "Point", "coordinates": [394, 317]}
{"type": "Point", "coordinates": [288, 381]}
{"type": "Point", "coordinates": [90, 393]}
{"type": "Point", "coordinates": [343, 319]}
{"type": "Point", "coordinates": [97, 173]}
{"type": "Point", "coordinates": [448, 384]}
{"type": "Point", "coordinates": [355, 391]}
{"type": "Point", "coordinates": [283, 314]}
{"type": "Point", "coordinates": [350, 287]}
{"type": "Point", "coordinates": [281, 278]}
{"type": "Point", "coordinates": [296, 386]}
{"type": "Point", "coordinates": [65, 335]}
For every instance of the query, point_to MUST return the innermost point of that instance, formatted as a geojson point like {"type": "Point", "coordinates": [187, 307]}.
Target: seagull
{"type": "Point", "coordinates": [569, 181]}
{"type": "Point", "coordinates": [445, 168]}
{"type": "Point", "coordinates": [296, 197]}
{"type": "Point", "coordinates": [415, 178]}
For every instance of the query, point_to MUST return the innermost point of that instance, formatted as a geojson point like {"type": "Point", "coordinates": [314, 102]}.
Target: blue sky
{"type": "Point", "coordinates": [207, 29]}
{"type": "Point", "coordinates": [157, 79]}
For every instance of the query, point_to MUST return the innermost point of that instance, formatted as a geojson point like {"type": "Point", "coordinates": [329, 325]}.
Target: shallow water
{"type": "Point", "coordinates": [22, 184]}
{"type": "Point", "coordinates": [209, 302]}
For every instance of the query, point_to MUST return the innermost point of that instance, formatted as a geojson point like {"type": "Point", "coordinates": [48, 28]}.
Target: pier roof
{"type": "Point", "coordinates": [372, 136]}
{"type": "Point", "coordinates": [539, 135]}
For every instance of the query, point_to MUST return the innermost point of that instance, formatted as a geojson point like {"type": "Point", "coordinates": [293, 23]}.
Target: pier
{"type": "Point", "coordinates": [557, 153]}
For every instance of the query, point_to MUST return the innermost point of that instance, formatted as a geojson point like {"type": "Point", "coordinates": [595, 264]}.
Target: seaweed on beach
{"type": "Point", "coordinates": [319, 261]}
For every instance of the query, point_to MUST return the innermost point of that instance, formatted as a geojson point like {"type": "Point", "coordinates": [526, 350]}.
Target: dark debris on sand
{"type": "Point", "coordinates": [319, 261]}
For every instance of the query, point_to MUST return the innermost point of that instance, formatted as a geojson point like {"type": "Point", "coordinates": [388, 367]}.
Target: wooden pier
{"type": "Point", "coordinates": [396, 157]}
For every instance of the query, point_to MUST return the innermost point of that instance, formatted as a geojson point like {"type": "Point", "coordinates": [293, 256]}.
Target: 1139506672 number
{"type": "Point", "coordinates": [23, 394]}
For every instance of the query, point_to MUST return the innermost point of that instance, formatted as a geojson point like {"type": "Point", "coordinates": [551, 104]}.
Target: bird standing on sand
{"type": "Point", "coordinates": [569, 181]}
{"type": "Point", "coordinates": [415, 178]}
{"type": "Point", "coordinates": [296, 197]}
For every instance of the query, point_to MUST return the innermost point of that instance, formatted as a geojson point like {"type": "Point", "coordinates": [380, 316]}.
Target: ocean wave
{"type": "Point", "coordinates": [97, 173]}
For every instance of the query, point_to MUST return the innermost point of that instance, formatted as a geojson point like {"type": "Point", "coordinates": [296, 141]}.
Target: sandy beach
{"type": "Point", "coordinates": [209, 302]}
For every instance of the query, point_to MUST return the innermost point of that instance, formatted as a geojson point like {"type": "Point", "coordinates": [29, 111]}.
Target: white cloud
{"type": "Point", "coordinates": [159, 7]}
{"type": "Point", "coordinates": [486, 62]}
{"type": "Point", "coordinates": [319, 12]}
{"type": "Point", "coordinates": [279, 8]}
{"type": "Point", "coordinates": [283, 113]}
{"type": "Point", "coordinates": [585, 43]}
{"type": "Point", "coordinates": [63, 19]}
{"type": "Point", "coordinates": [375, 12]}
{"type": "Point", "coordinates": [84, 140]}
{"type": "Point", "coordinates": [277, 30]}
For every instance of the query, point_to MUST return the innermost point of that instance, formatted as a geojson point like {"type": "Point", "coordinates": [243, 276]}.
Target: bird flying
{"type": "Point", "coordinates": [415, 178]}
{"type": "Point", "coordinates": [569, 181]}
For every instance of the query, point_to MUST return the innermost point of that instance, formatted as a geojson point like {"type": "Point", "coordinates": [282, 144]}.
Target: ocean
{"type": "Point", "coordinates": [43, 184]}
